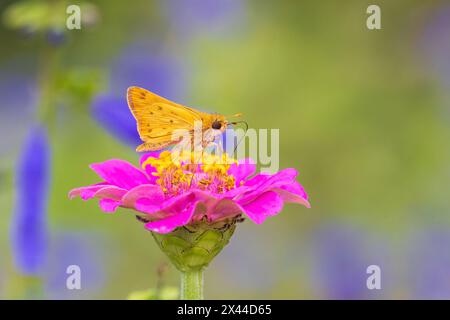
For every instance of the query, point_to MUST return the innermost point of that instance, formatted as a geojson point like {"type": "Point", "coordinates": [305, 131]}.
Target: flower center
{"type": "Point", "coordinates": [178, 172]}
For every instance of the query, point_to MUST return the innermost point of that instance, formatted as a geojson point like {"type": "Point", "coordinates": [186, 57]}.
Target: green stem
{"type": "Point", "coordinates": [49, 68]}
{"type": "Point", "coordinates": [192, 285]}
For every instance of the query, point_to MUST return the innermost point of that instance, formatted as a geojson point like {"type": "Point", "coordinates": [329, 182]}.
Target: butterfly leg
{"type": "Point", "coordinates": [214, 147]}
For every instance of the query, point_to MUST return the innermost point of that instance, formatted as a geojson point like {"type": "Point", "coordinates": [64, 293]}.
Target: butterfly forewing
{"type": "Point", "coordinates": [157, 118]}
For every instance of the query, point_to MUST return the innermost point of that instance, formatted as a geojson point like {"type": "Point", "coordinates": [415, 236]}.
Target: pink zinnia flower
{"type": "Point", "coordinates": [169, 193]}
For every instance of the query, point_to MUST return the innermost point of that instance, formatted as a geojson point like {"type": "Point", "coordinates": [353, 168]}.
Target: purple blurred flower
{"type": "Point", "coordinates": [56, 37]}
{"type": "Point", "coordinates": [16, 107]}
{"type": "Point", "coordinates": [139, 65]}
{"type": "Point", "coordinates": [29, 226]}
{"type": "Point", "coordinates": [113, 114]}
{"type": "Point", "coordinates": [195, 17]}
{"type": "Point", "coordinates": [436, 42]}
{"type": "Point", "coordinates": [341, 257]}
{"type": "Point", "coordinates": [83, 250]}
{"type": "Point", "coordinates": [429, 267]}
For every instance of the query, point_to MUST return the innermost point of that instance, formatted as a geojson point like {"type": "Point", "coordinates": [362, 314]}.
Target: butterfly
{"type": "Point", "coordinates": [157, 118]}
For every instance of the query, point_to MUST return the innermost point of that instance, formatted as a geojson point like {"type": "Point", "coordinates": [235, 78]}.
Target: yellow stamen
{"type": "Point", "coordinates": [178, 172]}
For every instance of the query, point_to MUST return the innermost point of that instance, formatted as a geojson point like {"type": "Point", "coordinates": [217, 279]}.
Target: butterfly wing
{"type": "Point", "coordinates": [158, 117]}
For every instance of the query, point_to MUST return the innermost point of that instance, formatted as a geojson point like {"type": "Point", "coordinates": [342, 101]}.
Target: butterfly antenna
{"type": "Point", "coordinates": [236, 115]}
{"type": "Point", "coordinates": [240, 140]}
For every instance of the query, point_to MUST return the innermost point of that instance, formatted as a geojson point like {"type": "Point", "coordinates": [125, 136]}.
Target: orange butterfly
{"type": "Point", "coordinates": [157, 118]}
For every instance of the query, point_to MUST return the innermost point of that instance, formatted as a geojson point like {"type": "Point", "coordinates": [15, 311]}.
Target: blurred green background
{"type": "Point", "coordinates": [363, 115]}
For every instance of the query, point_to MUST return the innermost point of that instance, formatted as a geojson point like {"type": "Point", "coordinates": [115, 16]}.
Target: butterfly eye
{"type": "Point", "coordinates": [217, 125]}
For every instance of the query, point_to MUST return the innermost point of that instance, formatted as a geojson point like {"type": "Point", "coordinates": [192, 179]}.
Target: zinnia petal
{"type": "Point", "coordinates": [224, 209]}
{"type": "Point", "coordinates": [87, 192]}
{"type": "Point", "coordinates": [109, 205]}
{"type": "Point", "coordinates": [265, 182]}
{"type": "Point", "coordinates": [267, 204]}
{"type": "Point", "coordinates": [110, 198]}
{"type": "Point", "coordinates": [278, 179]}
{"type": "Point", "coordinates": [120, 173]}
{"type": "Point", "coordinates": [146, 198]}
{"type": "Point", "coordinates": [294, 192]}
{"type": "Point", "coordinates": [178, 203]}
{"type": "Point", "coordinates": [241, 171]}
{"type": "Point", "coordinates": [110, 192]}
{"type": "Point", "coordinates": [172, 222]}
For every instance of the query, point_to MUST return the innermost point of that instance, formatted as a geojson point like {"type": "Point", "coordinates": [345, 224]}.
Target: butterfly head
{"type": "Point", "coordinates": [221, 123]}
{"type": "Point", "coordinates": [217, 124]}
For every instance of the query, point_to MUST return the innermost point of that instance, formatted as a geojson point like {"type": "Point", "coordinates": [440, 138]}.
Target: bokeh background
{"type": "Point", "coordinates": [363, 115]}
